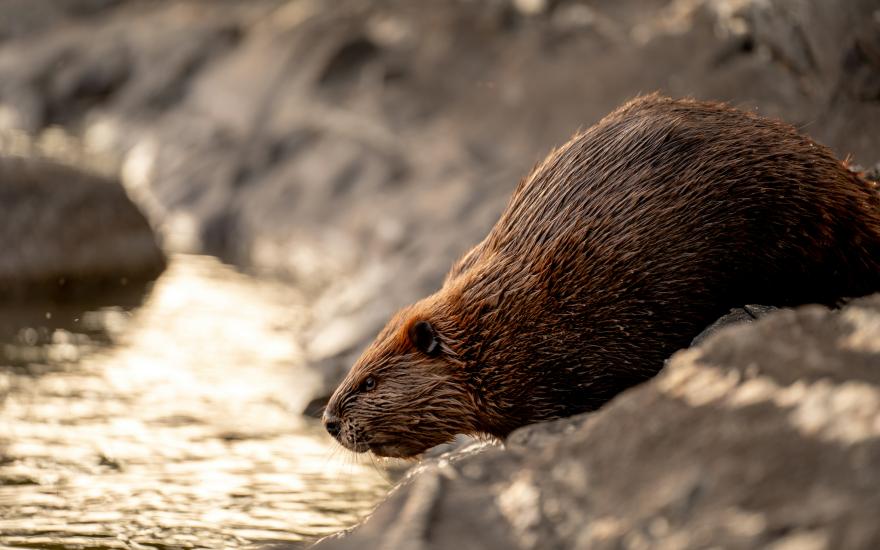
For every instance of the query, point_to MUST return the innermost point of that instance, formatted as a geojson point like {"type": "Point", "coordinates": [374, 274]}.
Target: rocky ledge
{"type": "Point", "coordinates": [765, 435]}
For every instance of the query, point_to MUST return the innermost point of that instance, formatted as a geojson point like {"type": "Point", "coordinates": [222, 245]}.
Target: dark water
{"type": "Point", "coordinates": [171, 425]}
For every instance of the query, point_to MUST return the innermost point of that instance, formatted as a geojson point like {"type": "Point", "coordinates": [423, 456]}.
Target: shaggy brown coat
{"type": "Point", "coordinates": [614, 252]}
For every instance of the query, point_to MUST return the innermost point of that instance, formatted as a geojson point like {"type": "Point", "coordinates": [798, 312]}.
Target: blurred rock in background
{"type": "Point", "coordinates": [357, 148]}
{"type": "Point", "coordinates": [68, 234]}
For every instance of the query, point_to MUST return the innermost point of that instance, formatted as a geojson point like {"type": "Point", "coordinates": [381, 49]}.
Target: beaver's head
{"type": "Point", "coordinates": [409, 390]}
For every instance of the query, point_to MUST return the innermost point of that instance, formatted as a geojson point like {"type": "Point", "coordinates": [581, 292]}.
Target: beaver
{"type": "Point", "coordinates": [614, 252]}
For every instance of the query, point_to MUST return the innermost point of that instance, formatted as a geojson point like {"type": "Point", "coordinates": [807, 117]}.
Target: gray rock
{"type": "Point", "coordinates": [65, 232]}
{"type": "Point", "coordinates": [767, 435]}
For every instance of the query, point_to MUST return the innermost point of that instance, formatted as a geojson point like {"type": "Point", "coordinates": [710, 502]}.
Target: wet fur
{"type": "Point", "coordinates": [614, 252]}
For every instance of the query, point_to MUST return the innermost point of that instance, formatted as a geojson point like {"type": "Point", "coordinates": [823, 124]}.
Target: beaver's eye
{"type": "Point", "coordinates": [424, 338]}
{"type": "Point", "coordinates": [369, 384]}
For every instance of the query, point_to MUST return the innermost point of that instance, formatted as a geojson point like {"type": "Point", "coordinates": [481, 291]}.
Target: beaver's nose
{"type": "Point", "coordinates": [332, 423]}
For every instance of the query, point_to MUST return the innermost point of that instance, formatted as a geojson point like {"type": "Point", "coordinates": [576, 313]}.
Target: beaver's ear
{"type": "Point", "coordinates": [423, 337]}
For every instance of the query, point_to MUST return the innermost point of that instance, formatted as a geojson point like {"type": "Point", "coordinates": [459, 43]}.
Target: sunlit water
{"type": "Point", "coordinates": [171, 425]}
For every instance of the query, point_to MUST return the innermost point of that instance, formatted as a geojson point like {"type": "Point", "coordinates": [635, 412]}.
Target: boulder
{"type": "Point", "coordinates": [66, 233]}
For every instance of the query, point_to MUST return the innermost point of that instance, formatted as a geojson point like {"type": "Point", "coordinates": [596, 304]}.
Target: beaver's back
{"type": "Point", "coordinates": [639, 232]}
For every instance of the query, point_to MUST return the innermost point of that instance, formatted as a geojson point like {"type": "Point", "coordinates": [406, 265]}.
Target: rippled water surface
{"type": "Point", "coordinates": [171, 425]}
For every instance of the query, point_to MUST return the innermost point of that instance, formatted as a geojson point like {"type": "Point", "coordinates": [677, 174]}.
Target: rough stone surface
{"type": "Point", "coordinates": [358, 147]}
{"type": "Point", "coordinates": [66, 233]}
{"type": "Point", "coordinates": [767, 435]}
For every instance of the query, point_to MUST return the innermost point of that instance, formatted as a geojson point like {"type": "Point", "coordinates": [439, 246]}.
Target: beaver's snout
{"type": "Point", "coordinates": [348, 434]}
{"type": "Point", "coordinates": [332, 423]}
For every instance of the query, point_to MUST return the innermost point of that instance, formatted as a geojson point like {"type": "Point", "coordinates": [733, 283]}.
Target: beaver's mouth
{"type": "Point", "coordinates": [358, 447]}
{"type": "Point", "coordinates": [384, 446]}
{"type": "Point", "coordinates": [386, 449]}
{"type": "Point", "coordinates": [393, 449]}
{"type": "Point", "coordinates": [352, 442]}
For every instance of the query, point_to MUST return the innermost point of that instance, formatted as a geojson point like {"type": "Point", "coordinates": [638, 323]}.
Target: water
{"type": "Point", "coordinates": [174, 424]}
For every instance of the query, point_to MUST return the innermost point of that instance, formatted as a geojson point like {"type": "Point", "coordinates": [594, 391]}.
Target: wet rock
{"type": "Point", "coordinates": [765, 435]}
{"type": "Point", "coordinates": [67, 233]}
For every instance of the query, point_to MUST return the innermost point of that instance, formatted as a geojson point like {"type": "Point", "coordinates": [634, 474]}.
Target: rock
{"type": "Point", "coordinates": [66, 232]}
{"type": "Point", "coordinates": [30, 16]}
{"type": "Point", "coordinates": [765, 435]}
{"type": "Point", "coordinates": [315, 407]}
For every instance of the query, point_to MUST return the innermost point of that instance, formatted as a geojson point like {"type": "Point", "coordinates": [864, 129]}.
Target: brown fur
{"type": "Point", "coordinates": [613, 253]}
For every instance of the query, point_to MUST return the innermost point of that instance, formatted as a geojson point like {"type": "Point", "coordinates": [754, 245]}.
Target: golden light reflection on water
{"type": "Point", "coordinates": [183, 431]}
